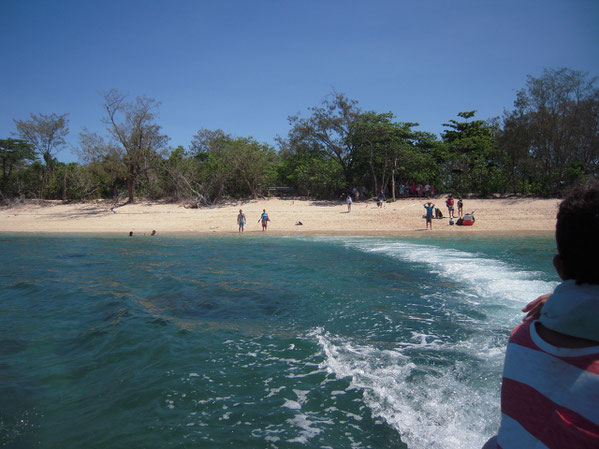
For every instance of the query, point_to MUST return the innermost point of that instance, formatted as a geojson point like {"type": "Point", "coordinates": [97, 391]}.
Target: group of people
{"type": "Point", "coordinates": [416, 190]}
{"type": "Point", "coordinates": [380, 199]}
{"type": "Point", "coordinates": [449, 202]}
{"type": "Point", "coordinates": [433, 212]}
{"type": "Point", "coordinates": [405, 191]}
{"type": "Point", "coordinates": [242, 220]}
{"type": "Point", "coordinates": [151, 233]}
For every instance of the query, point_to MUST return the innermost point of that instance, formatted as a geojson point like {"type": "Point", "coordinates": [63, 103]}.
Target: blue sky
{"type": "Point", "coordinates": [245, 66]}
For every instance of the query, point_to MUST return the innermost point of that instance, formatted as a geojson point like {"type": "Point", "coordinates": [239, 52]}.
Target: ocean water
{"type": "Point", "coordinates": [259, 341]}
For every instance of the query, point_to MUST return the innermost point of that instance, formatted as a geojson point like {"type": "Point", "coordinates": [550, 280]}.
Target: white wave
{"type": "Point", "coordinates": [432, 409]}
{"type": "Point", "coordinates": [488, 278]}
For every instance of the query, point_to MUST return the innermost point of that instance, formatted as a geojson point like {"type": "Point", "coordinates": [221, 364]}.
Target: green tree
{"type": "Point", "coordinates": [231, 166]}
{"type": "Point", "coordinates": [253, 163]}
{"type": "Point", "coordinates": [14, 154]}
{"type": "Point", "coordinates": [552, 134]}
{"type": "Point", "coordinates": [132, 126]}
{"type": "Point", "coordinates": [328, 129]}
{"type": "Point", "coordinates": [390, 151]}
{"type": "Point", "coordinates": [105, 165]}
{"type": "Point", "coordinates": [46, 134]}
{"type": "Point", "coordinates": [213, 173]}
{"type": "Point", "coordinates": [470, 154]}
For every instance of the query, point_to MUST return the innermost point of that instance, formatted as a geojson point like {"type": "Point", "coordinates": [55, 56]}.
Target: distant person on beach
{"type": "Point", "coordinates": [348, 201]}
{"type": "Point", "coordinates": [265, 219]}
{"type": "Point", "coordinates": [430, 207]}
{"type": "Point", "coordinates": [460, 208]}
{"type": "Point", "coordinates": [380, 198]}
{"type": "Point", "coordinates": [130, 233]}
{"type": "Point", "coordinates": [449, 204]}
{"type": "Point", "coordinates": [550, 388]}
{"type": "Point", "coordinates": [241, 220]}
{"type": "Point", "coordinates": [153, 232]}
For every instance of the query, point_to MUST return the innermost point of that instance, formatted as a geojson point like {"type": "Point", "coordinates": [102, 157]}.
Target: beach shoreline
{"type": "Point", "coordinates": [402, 217]}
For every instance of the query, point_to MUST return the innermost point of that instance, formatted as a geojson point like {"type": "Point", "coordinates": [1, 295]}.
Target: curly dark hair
{"type": "Point", "coordinates": [577, 233]}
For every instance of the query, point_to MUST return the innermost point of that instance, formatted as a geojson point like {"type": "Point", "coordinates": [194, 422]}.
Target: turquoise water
{"type": "Point", "coordinates": [259, 342]}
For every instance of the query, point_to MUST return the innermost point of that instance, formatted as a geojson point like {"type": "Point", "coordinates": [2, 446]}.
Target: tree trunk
{"type": "Point", "coordinates": [130, 189]}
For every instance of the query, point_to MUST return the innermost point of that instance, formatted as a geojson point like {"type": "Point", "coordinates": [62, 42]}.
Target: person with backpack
{"type": "Point", "coordinates": [449, 204]}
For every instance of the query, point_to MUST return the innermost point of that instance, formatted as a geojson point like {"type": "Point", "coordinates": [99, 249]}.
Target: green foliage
{"type": "Point", "coordinates": [548, 142]}
{"type": "Point", "coordinates": [312, 175]}
{"type": "Point", "coordinates": [551, 136]}
{"type": "Point", "coordinates": [14, 156]}
{"type": "Point", "coordinates": [227, 166]}
{"type": "Point", "coordinates": [470, 155]}
{"type": "Point", "coordinates": [132, 127]}
{"type": "Point", "coordinates": [46, 134]}
{"type": "Point", "coordinates": [391, 151]}
{"type": "Point", "coordinates": [328, 130]}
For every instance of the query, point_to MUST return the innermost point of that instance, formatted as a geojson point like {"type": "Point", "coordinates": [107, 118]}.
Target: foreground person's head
{"type": "Point", "coordinates": [577, 235]}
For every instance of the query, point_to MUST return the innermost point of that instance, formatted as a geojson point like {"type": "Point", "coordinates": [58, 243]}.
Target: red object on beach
{"type": "Point", "coordinates": [468, 219]}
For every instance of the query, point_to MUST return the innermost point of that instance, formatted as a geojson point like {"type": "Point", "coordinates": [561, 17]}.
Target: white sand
{"type": "Point", "coordinates": [318, 217]}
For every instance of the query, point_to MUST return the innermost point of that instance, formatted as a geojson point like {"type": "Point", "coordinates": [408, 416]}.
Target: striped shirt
{"type": "Point", "coordinates": [549, 394]}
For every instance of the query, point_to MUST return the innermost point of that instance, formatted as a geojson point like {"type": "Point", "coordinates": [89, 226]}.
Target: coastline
{"type": "Point", "coordinates": [400, 218]}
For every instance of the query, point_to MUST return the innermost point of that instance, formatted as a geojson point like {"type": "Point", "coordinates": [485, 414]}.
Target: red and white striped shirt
{"type": "Point", "coordinates": [549, 395]}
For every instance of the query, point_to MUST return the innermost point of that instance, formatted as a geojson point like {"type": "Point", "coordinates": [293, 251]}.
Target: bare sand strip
{"type": "Point", "coordinates": [317, 217]}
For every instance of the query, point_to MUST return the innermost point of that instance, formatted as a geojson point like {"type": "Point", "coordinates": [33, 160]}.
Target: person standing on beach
{"type": "Point", "coordinates": [241, 220]}
{"type": "Point", "coordinates": [430, 207]}
{"type": "Point", "coordinates": [460, 208]}
{"type": "Point", "coordinates": [265, 219]}
{"type": "Point", "coordinates": [550, 386]}
{"type": "Point", "coordinates": [348, 200]}
{"type": "Point", "coordinates": [449, 204]}
{"type": "Point", "coordinates": [381, 198]}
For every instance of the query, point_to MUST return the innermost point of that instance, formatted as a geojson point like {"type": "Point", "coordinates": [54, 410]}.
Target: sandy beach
{"type": "Point", "coordinates": [317, 217]}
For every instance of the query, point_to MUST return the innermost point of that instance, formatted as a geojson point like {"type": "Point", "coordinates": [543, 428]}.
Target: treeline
{"type": "Point", "coordinates": [546, 143]}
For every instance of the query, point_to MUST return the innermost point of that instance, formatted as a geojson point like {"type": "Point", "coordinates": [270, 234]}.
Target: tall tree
{"type": "Point", "coordinates": [106, 166]}
{"type": "Point", "coordinates": [253, 163]}
{"type": "Point", "coordinates": [46, 134]}
{"type": "Point", "coordinates": [555, 124]}
{"type": "Point", "coordinates": [471, 154]}
{"type": "Point", "coordinates": [391, 150]}
{"type": "Point", "coordinates": [239, 166]}
{"type": "Point", "coordinates": [328, 129]}
{"type": "Point", "coordinates": [132, 126]}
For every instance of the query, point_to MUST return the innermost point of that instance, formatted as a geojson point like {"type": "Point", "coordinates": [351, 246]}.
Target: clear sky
{"type": "Point", "coordinates": [245, 66]}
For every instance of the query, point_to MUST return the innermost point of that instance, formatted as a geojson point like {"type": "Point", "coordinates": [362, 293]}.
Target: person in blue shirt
{"type": "Point", "coordinates": [241, 220]}
{"type": "Point", "coordinates": [264, 218]}
{"type": "Point", "coordinates": [430, 207]}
